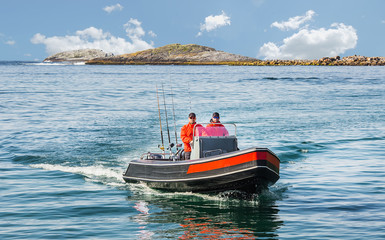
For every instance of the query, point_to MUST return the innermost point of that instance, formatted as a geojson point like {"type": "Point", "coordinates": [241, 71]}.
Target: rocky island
{"type": "Point", "coordinates": [80, 55]}
{"type": "Point", "coordinates": [192, 54]}
{"type": "Point", "coordinates": [175, 54]}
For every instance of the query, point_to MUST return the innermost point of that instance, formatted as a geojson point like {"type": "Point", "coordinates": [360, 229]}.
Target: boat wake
{"type": "Point", "coordinates": [142, 191]}
{"type": "Point", "coordinates": [267, 195]}
{"type": "Point", "coordinates": [112, 177]}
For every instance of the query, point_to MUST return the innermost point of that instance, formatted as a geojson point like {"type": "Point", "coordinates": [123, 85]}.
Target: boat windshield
{"type": "Point", "coordinates": [215, 129]}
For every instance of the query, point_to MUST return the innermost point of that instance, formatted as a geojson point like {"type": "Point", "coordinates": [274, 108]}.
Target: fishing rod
{"type": "Point", "coordinates": [173, 114]}
{"type": "Point", "coordinates": [165, 111]}
{"type": "Point", "coordinates": [160, 120]}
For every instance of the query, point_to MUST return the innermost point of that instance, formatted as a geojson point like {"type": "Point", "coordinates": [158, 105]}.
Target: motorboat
{"type": "Point", "coordinates": [216, 165]}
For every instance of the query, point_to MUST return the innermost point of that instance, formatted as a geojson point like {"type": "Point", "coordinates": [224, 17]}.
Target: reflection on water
{"type": "Point", "coordinates": [192, 216]}
{"type": "Point", "coordinates": [141, 207]}
{"type": "Point", "coordinates": [207, 228]}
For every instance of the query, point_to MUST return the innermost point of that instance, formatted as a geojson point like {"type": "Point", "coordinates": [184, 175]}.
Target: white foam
{"type": "Point", "coordinates": [95, 173]}
{"type": "Point", "coordinates": [221, 198]}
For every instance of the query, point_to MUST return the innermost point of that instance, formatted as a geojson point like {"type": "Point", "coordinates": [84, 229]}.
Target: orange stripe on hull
{"type": "Point", "coordinates": [272, 159]}
{"type": "Point", "coordinates": [228, 162]}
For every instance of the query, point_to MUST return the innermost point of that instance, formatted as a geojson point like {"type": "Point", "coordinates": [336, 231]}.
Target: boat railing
{"type": "Point", "coordinates": [166, 156]}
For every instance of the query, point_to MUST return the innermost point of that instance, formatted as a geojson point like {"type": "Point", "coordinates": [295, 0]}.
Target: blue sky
{"type": "Point", "coordinates": [266, 29]}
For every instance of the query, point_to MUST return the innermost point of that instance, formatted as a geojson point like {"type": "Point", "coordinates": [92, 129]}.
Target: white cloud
{"type": "Point", "coordinates": [214, 22]}
{"type": "Point", "coordinates": [313, 44]}
{"type": "Point", "coordinates": [92, 32]}
{"type": "Point", "coordinates": [116, 7]}
{"type": "Point", "coordinates": [10, 42]}
{"type": "Point", "coordinates": [294, 22]}
{"type": "Point", "coordinates": [383, 21]}
{"type": "Point", "coordinates": [134, 30]}
{"type": "Point", "coordinates": [152, 34]}
{"type": "Point", "coordinates": [4, 40]}
{"type": "Point", "coordinates": [94, 38]}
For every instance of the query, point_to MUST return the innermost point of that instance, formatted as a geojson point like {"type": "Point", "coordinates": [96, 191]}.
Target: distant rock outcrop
{"type": "Point", "coordinates": [192, 54]}
{"type": "Point", "coordinates": [326, 61]}
{"type": "Point", "coordinates": [174, 54]}
{"type": "Point", "coordinates": [81, 55]}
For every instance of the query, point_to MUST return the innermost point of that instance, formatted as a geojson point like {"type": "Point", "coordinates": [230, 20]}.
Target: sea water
{"type": "Point", "coordinates": [68, 132]}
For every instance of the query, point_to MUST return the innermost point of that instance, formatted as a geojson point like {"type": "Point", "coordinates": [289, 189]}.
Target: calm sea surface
{"type": "Point", "coordinates": [68, 132]}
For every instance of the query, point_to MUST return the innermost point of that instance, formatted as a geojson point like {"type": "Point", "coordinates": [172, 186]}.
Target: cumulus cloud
{"type": "Point", "coordinates": [116, 7]}
{"type": "Point", "coordinates": [134, 30]}
{"type": "Point", "coordinates": [94, 38]}
{"type": "Point", "coordinates": [294, 22]}
{"type": "Point", "coordinates": [214, 22]}
{"type": "Point", "coordinates": [313, 44]}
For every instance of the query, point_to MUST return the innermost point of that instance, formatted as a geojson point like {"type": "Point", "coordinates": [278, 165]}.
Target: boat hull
{"type": "Point", "coordinates": [247, 170]}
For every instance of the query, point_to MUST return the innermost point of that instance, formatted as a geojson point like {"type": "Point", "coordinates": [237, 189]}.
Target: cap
{"type": "Point", "coordinates": [192, 115]}
{"type": "Point", "coordinates": [216, 114]}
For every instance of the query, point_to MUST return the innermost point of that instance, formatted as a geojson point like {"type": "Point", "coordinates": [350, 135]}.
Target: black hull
{"type": "Point", "coordinates": [248, 170]}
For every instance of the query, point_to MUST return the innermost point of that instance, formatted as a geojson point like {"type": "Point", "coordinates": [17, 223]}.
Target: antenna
{"type": "Point", "coordinates": [160, 120]}
{"type": "Point", "coordinates": [189, 93]}
{"type": "Point", "coordinates": [165, 110]}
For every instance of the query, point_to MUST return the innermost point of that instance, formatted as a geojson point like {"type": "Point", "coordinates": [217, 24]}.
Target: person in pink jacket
{"type": "Point", "coordinates": [216, 128]}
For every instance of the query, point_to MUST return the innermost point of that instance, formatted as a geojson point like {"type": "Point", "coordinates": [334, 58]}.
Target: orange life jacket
{"type": "Point", "coordinates": [186, 134]}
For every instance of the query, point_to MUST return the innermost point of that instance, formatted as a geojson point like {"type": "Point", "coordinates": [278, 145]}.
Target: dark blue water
{"type": "Point", "coordinates": [68, 132]}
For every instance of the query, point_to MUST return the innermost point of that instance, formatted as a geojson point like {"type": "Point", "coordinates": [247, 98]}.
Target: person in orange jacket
{"type": "Point", "coordinates": [216, 128]}
{"type": "Point", "coordinates": [186, 134]}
